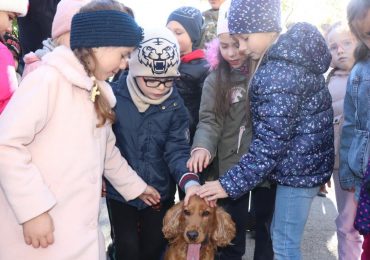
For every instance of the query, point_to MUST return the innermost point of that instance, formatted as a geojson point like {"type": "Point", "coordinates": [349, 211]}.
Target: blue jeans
{"type": "Point", "coordinates": [292, 206]}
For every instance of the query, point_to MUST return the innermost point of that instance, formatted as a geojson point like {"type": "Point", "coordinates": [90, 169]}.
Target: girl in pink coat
{"type": "Point", "coordinates": [56, 142]}
{"type": "Point", "coordinates": [9, 10]}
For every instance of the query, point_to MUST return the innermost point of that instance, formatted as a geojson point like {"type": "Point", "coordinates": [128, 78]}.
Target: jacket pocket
{"type": "Point", "coordinates": [359, 152]}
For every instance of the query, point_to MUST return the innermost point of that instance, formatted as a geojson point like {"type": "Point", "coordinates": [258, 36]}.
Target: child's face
{"type": "Point", "coordinates": [229, 49]}
{"type": "Point", "coordinates": [341, 44]}
{"type": "Point", "coordinates": [109, 60]}
{"type": "Point", "coordinates": [254, 45]}
{"type": "Point", "coordinates": [154, 88]}
{"type": "Point", "coordinates": [6, 20]}
{"type": "Point", "coordinates": [215, 4]}
{"type": "Point", "coordinates": [362, 27]}
{"type": "Point", "coordinates": [182, 37]}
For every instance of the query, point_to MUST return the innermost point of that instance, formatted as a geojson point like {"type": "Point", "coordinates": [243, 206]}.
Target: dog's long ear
{"type": "Point", "coordinates": [171, 221]}
{"type": "Point", "coordinates": [225, 228]}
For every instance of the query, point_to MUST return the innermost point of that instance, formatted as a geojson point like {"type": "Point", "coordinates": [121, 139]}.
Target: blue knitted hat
{"type": "Point", "coordinates": [254, 16]}
{"type": "Point", "coordinates": [192, 21]}
{"type": "Point", "coordinates": [104, 28]}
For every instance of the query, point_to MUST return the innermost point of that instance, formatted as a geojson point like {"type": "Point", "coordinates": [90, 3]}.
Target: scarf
{"type": "Point", "coordinates": [194, 55]}
{"type": "Point", "coordinates": [141, 101]}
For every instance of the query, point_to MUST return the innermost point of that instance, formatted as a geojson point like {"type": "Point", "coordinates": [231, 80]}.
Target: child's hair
{"type": "Point", "coordinates": [222, 69]}
{"type": "Point", "coordinates": [357, 10]}
{"type": "Point", "coordinates": [223, 80]}
{"type": "Point", "coordinates": [332, 27]}
{"type": "Point", "coordinates": [101, 103]}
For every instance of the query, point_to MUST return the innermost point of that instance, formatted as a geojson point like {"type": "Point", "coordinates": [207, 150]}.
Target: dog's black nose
{"type": "Point", "coordinates": [192, 235]}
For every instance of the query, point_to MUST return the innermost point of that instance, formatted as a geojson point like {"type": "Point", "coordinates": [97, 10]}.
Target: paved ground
{"type": "Point", "coordinates": [319, 241]}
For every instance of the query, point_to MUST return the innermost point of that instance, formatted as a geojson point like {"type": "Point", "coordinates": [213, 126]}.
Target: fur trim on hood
{"type": "Point", "coordinates": [212, 54]}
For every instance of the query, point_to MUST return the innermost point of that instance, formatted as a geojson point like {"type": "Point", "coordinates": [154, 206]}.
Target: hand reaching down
{"type": "Point", "coordinates": [198, 161]}
{"type": "Point", "coordinates": [192, 190]}
{"type": "Point", "coordinates": [150, 196]}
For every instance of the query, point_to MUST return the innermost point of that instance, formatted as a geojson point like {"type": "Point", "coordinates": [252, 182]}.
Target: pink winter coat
{"type": "Point", "coordinates": [8, 78]}
{"type": "Point", "coordinates": [52, 158]}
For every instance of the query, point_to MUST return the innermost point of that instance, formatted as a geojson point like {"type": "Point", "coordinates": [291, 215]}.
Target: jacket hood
{"type": "Point", "coordinates": [304, 45]}
{"type": "Point", "coordinates": [30, 58]}
{"type": "Point", "coordinates": [48, 46]}
{"type": "Point", "coordinates": [64, 60]}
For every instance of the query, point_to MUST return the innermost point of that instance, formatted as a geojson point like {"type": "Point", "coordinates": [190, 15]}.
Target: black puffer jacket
{"type": "Point", "coordinates": [189, 85]}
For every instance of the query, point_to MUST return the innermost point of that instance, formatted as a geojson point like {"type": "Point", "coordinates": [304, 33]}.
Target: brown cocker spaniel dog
{"type": "Point", "coordinates": [195, 231]}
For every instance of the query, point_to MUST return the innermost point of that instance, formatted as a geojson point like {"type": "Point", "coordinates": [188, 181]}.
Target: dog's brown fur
{"type": "Point", "coordinates": [213, 228]}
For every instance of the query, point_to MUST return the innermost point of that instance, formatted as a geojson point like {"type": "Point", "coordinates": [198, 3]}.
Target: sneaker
{"type": "Point", "coordinates": [321, 194]}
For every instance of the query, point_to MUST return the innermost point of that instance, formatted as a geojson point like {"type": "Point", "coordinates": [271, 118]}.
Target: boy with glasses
{"type": "Point", "coordinates": [152, 131]}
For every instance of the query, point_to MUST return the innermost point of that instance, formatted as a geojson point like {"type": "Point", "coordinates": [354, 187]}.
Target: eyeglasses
{"type": "Point", "coordinates": [155, 83]}
{"type": "Point", "coordinates": [345, 45]}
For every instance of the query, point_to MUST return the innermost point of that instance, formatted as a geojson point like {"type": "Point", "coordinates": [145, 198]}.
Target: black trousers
{"type": "Point", "coordinates": [263, 200]}
{"type": "Point", "coordinates": [137, 234]}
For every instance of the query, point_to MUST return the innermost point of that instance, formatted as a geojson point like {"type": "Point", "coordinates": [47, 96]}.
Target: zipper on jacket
{"type": "Point", "coordinates": [241, 131]}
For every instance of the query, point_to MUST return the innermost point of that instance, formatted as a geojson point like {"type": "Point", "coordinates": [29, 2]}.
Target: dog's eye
{"type": "Point", "coordinates": [205, 213]}
{"type": "Point", "coordinates": [186, 212]}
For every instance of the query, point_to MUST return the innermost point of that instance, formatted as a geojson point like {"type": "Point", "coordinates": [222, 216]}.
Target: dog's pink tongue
{"type": "Point", "coordinates": [193, 252]}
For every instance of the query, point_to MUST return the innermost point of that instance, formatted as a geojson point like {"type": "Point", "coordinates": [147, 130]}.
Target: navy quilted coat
{"type": "Point", "coordinates": [155, 143]}
{"type": "Point", "coordinates": [292, 116]}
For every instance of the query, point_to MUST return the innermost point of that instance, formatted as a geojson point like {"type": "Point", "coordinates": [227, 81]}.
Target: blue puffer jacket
{"type": "Point", "coordinates": [155, 143]}
{"type": "Point", "coordinates": [293, 138]}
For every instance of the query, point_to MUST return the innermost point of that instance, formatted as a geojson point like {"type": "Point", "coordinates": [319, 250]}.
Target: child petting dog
{"type": "Point", "coordinates": [152, 130]}
{"type": "Point", "coordinates": [224, 134]}
{"type": "Point", "coordinates": [292, 115]}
